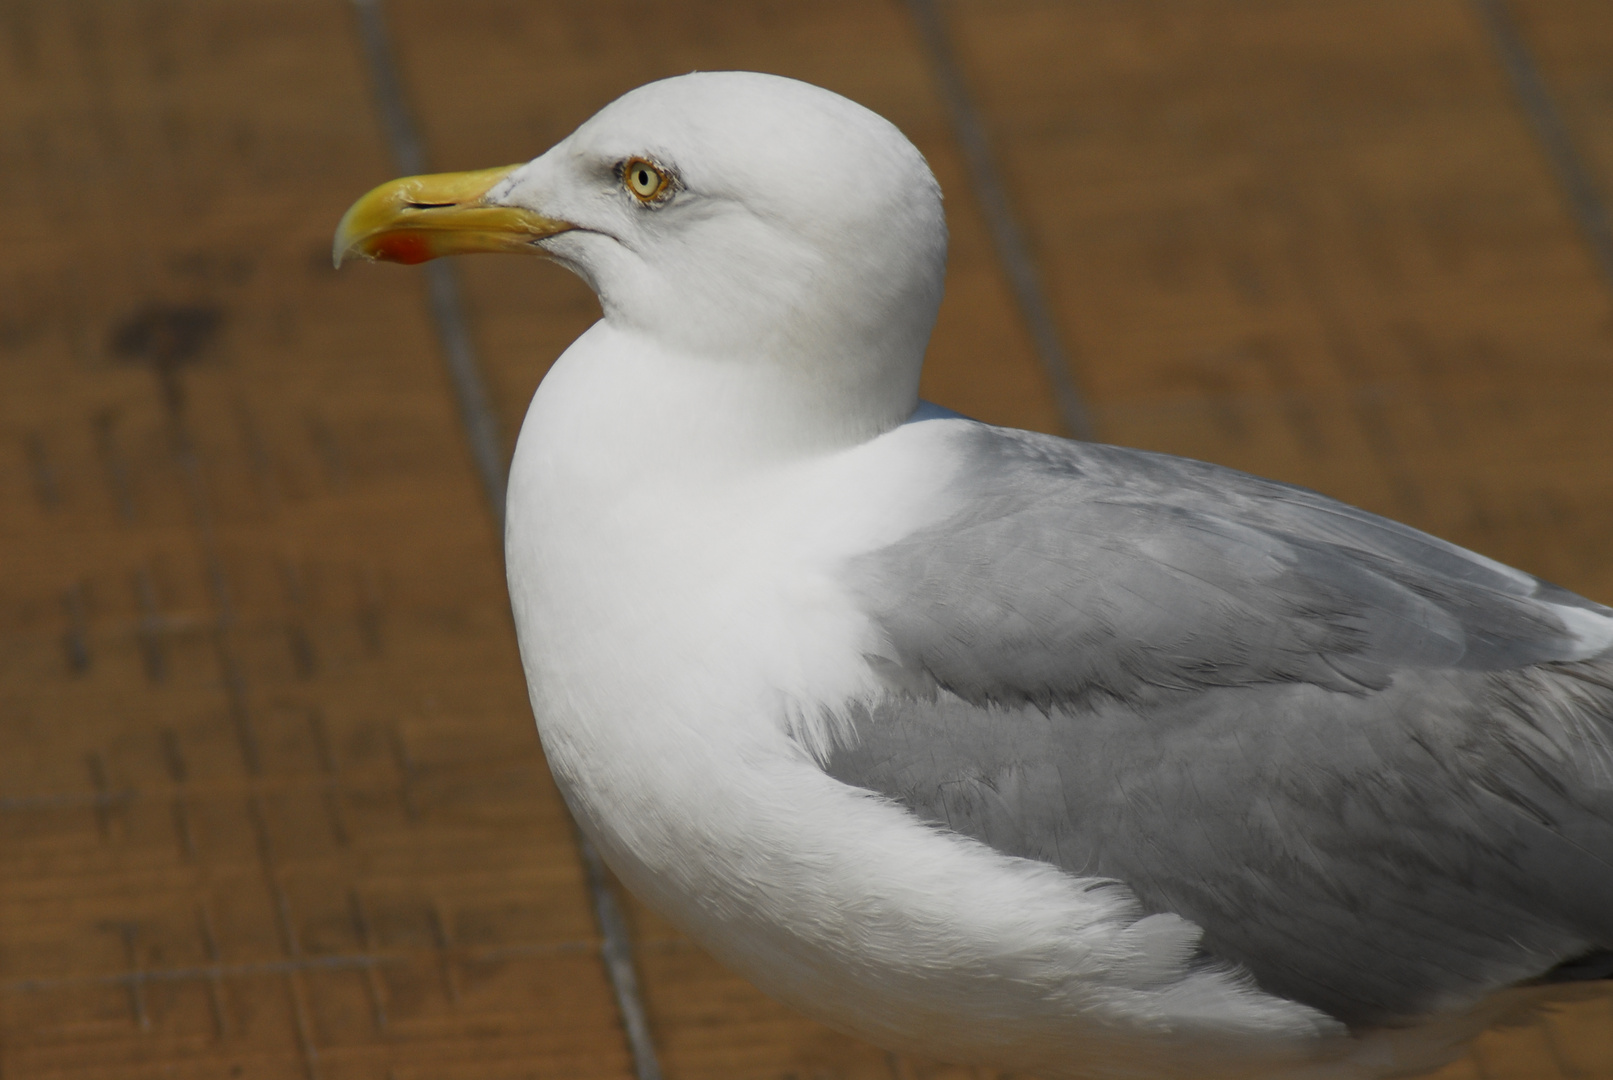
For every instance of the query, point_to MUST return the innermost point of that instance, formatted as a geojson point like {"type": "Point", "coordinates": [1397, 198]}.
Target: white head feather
{"type": "Point", "coordinates": [802, 236]}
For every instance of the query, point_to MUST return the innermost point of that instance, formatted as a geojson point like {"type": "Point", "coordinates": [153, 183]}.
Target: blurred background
{"type": "Point", "coordinates": [271, 803]}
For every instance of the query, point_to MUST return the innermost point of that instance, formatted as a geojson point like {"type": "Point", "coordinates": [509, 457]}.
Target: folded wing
{"type": "Point", "coordinates": [1375, 768]}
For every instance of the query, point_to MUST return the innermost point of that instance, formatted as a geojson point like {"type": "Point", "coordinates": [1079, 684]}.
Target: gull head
{"type": "Point", "coordinates": [729, 216]}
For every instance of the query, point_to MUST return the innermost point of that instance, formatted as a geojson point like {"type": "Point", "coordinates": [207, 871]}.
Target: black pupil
{"type": "Point", "coordinates": [643, 178]}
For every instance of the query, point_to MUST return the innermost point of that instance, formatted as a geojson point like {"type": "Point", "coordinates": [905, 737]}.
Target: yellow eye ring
{"type": "Point", "coordinates": [645, 179]}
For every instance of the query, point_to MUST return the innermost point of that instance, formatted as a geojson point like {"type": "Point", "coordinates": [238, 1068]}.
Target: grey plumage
{"type": "Point", "coordinates": [1376, 769]}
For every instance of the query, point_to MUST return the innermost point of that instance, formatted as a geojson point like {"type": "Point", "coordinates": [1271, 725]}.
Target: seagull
{"type": "Point", "coordinates": [982, 744]}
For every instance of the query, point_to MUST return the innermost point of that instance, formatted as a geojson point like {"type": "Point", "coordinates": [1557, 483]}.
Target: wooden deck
{"type": "Point", "coordinates": [271, 804]}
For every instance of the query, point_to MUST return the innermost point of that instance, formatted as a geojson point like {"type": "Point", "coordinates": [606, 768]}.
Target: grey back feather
{"type": "Point", "coordinates": [1376, 769]}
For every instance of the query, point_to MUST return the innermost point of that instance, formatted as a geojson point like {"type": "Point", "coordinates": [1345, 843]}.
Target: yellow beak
{"type": "Point", "coordinates": [424, 217]}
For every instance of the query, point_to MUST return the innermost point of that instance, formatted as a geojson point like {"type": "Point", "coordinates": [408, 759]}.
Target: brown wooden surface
{"type": "Point", "coordinates": [270, 800]}
{"type": "Point", "coordinates": [265, 744]}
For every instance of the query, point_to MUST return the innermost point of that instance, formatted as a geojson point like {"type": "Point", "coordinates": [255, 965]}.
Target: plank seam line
{"type": "Point", "coordinates": [1565, 160]}
{"type": "Point", "coordinates": [293, 784]}
{"type": "Point", "coordinates": [294, 965]}
{"type": "Point", "coordinates": [1007, 236]}
{"type": "Point", "coordinates": [481, 429]}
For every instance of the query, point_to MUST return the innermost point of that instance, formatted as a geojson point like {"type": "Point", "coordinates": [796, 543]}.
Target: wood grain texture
{"type": "Point", "coordinates": [270, 801]}
{"type": "Point", "coordinates": [1315, 241]}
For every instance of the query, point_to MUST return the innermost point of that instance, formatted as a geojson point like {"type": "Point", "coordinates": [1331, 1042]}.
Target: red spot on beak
{"type": "Point", "coordinates": [403, 247]}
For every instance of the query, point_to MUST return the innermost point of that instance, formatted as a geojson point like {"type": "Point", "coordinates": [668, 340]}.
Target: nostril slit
{"type": "Point", "coordinates": [428, 205]}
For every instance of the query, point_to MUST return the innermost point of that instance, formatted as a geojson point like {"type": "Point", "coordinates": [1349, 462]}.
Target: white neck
{"type": "Point", "coordinates": [638, 405]}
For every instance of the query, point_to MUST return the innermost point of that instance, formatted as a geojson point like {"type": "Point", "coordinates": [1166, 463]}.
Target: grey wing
{"type": "Point", "coordinates": [1376, 769]}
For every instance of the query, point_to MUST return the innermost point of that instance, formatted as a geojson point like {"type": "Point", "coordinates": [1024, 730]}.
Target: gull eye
{"type": "Point", "coordinates": [645, 179]}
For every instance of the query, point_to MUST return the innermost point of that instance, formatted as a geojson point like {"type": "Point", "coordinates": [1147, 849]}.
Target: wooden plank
{"type": "Point", "coordinates": [1569, 42]}
{"type": "Point", "coordinates": [270, 803]}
